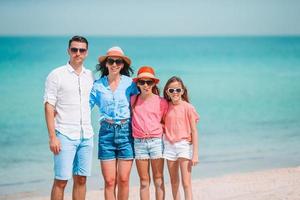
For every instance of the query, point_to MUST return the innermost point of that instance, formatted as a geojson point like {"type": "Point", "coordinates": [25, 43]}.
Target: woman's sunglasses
{"type": "Point", "coordinates": [143, 82]}
{"type": "Point", "coordinates": [75, 50]}
{"type": "Point", "coordinates": [174, 90]}
{"type": "Point", "coordinates": [111, 61]}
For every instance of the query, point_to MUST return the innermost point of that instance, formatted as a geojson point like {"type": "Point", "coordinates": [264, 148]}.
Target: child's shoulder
{"type": "Point", "coordinates": [187, 104]}
{"type": "Point", "coordinates": [133, 97]}
{"type": "Point", "coordinates": [192, 110]}
{"type": "Point", "coordinates": [160, 98]}
{"type": "Point", "coordinates": [163, 101]}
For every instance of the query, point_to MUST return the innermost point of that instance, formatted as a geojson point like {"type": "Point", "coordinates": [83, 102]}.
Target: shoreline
{"type": "Point", "coordinates": [281, 183]}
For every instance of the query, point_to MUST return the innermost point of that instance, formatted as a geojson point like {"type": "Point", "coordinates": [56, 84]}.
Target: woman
{"type": "Point", "coordinates": [111, 93]}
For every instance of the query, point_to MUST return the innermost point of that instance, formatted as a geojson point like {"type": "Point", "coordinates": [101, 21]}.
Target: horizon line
{"type": "Point", "coordinates": [153, 36]}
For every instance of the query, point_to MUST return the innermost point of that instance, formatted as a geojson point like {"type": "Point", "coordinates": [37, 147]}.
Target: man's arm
{"type": "Point", "coordinates": [54, 143]}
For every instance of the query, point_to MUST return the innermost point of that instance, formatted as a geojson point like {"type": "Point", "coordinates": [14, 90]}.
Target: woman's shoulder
{"type": "Point", "coordinates": [100, 81]}
{"type": "Point", "coordinates": [126, 78]}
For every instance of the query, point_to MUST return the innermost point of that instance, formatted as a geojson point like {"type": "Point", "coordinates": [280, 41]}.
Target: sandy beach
{"type": "Point", "coordinates": [275, 184]}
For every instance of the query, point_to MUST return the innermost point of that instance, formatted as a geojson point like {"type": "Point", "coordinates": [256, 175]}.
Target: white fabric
{"type": "Point", "coordinates": [69, 94]}
{"type": "Point", "coordinates": [181, 149]}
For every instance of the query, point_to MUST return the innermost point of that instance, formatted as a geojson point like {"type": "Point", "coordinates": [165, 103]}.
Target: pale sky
{"type": "Point", "coordinates": [150, 18]}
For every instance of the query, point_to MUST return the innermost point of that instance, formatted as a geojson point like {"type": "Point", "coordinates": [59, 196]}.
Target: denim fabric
{"type": "Point", "coordinates": [113, 105]}
{"type": "Point", "coordinates": [148, 148]}
{"type": "Point", "coordinates": [115, 141]}
{"type": "Point", "coordinates": [75, 157]}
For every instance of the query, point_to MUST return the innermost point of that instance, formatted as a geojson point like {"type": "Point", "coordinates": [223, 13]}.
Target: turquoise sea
{"type": "Point", "coordinates": [246, 90]}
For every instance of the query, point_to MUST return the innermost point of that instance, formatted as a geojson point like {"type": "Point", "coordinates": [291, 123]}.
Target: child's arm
{"type": "Point", "coordinates": [195, 157]}
{"type": "Point", "coordinates": [164, 109]}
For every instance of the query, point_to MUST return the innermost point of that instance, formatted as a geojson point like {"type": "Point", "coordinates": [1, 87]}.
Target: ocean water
{"type": "Point", "coordinates": [246, 90]}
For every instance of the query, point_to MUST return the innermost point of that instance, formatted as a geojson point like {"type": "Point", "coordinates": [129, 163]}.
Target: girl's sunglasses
{"type": "Point", "coordinates": [174, 90]}
{"type": "Point", "coordinates": [143, 82]}
{"type": "Point", "coordinates": [111, 61]}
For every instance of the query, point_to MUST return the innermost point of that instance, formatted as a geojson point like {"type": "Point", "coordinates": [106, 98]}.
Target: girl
{"type": "Point", "coordinates": [111, 93]}
{"type": "Point", "coordinates": [181, 141]}
{"type": "Point", "coordinates": [148, 109]}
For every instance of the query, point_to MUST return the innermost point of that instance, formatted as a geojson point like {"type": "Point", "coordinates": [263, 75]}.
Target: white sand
{"type": "Point", "coordinates": [264, 185]}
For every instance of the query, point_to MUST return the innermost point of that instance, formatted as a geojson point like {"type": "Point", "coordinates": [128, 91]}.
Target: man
{"type": "Point", "coordinates": [68, 119]}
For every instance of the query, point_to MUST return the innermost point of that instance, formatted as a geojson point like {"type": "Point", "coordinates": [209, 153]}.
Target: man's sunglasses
{"type": "Point", "coordinates": [174, 90]}
{"type": "Point", "coordinates": [111, 61]}
{"type": "Point", "coordinates": [143, 82]}
{"type": "Point", "coordinates": [75, 50]}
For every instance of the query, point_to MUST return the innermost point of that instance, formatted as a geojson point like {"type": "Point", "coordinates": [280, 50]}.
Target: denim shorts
{"type": "Point", "coordinates": [181, 149]}
{"type": "Point", "coordinates": [148, 148]}
{"type": "Point", "coordinates": [115, 141]}
{"type": "Point", "coordinates": [74, 158]}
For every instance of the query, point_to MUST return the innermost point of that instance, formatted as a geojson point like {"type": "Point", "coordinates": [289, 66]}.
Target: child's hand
{"type": "Point", "coordinates": [195, 160]}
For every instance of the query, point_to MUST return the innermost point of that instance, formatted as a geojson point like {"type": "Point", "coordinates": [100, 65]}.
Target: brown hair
{"type": "Point", "coordinates": [184, 96]}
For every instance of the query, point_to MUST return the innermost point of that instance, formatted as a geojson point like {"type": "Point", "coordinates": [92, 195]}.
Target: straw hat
{"type": "Point", "coordinates": [117, 52]}
{"type": "Point", "coordinates": [146, 72]}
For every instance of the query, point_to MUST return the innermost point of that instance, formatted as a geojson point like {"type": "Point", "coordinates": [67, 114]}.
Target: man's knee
{"type": "Point", "coordinates": [60, 183]}
{"type": "Point", "coordinates": [80, 180]}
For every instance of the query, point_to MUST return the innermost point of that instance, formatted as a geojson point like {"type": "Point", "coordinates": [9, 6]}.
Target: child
{"type": "Point", "coordinates": [181, 141]}
{"type": "Point", "coordinates": [148, 109]}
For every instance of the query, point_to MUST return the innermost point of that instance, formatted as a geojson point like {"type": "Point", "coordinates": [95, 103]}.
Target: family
{"type": "Point", "coordinates": [136, 123]}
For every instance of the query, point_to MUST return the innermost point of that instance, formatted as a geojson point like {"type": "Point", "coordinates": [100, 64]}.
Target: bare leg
{"type": "Point", "coordinates": [143, 171]}
{"type": "Point", "coordinates": [173, 167]}
{"type": "Point", "coordinates": [186, 169]}
{"type": "Point", "coordinates": [124, 168]}
{"type": "Point", "coordinates": [109, 171]}
{"type": "Point", "coordinates": [79, 187]}
{"type": "Point", "coordinates": [58, 189]}
{"type": "Point", "coordinates": [158, 177]}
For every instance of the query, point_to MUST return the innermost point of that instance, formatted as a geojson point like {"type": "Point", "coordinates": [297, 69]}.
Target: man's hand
{"type": "Point", "coordinates": [54, 145]}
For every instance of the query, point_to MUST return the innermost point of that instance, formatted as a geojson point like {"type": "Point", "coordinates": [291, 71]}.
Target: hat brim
{"type": "Point", "coordinates": [125, 58]}
{"type": "Point", "coordinates": [156, 80]}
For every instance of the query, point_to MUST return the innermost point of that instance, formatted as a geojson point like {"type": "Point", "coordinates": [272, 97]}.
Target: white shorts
{"type": "Point", "coordinates": [181, 149]}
